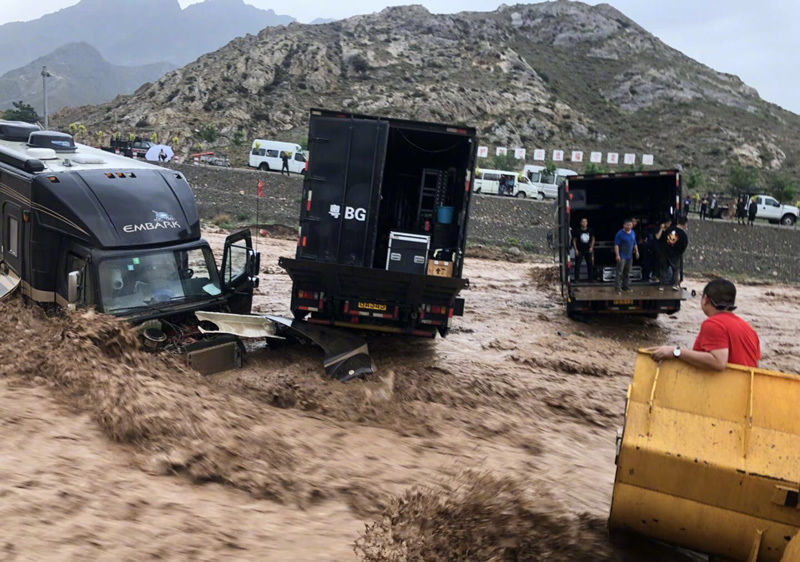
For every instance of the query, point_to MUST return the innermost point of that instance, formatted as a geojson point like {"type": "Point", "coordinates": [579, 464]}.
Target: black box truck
{"type": "Point", "coordinates": [383, 223]}
{"type": "Point", "coordinates": [606, 200]}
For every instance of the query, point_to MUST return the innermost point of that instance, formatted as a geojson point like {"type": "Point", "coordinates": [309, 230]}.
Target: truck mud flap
{"type": "Point", "coordinates": [372, 284]}
{"type": "Point", "coordinates": [710, 461]}
{"type": "Point", "coordinates": [346, 354]}
{"type": "Point", "coordinates": [9, 282]}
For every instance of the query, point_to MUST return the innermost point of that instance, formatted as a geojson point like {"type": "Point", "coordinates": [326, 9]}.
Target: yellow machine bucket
{"type": "Point", "coordinates": [710, 460]}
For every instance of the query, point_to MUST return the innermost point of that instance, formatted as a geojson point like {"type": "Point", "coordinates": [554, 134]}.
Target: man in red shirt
{"type": "Point", "coordinates": [724, 337]}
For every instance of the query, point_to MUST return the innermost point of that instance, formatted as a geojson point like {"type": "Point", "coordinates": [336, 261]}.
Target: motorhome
{"type": "Point", "coordinates": [82, 227]}
{"type": "Point", "coordinates": [547, 183]}
{"type": "Point", "coordinates": [266, 155]}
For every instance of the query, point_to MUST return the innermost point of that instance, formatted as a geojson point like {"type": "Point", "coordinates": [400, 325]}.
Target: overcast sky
{"type": "Point", "coordinates": [757, 40]}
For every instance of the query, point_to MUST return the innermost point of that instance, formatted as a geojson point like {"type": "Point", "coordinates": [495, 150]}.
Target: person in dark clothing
{"type": "Point", "coordinates": [583, 244]}
{"type": "Point", "coordinates": [285, 160]}
{"type": "Point", "coordinates": [625, 248]}
{"type": "Point", "coordinates": [741, 213]}
{"type": "Point", "coordinates": [673, 241]}
{"type": "Point", "coordinates": [649, 248]}
{"type": "Point", "coordinates": [752, 210]}
{"type": "Point", "coordinates": [704, 207]}
{"type": "Point", "coordinates": [687, 203]}
{"type": "Point", "coordinates": [712, 207]}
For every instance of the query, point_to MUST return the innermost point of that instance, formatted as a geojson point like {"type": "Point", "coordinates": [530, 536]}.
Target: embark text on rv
{"type": "Point", "coordinates": [85, 227]}
{"type": "Point", "coordinates": [383, 223]}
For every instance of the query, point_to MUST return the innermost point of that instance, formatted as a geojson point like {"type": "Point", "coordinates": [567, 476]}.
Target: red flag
{"type": "Point", "coordinates": [260, 188]}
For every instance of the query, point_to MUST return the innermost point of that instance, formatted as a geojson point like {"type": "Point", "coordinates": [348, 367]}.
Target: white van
{"type": "Point", "coordinates": [545, 182]}
{"type": "Point", "coordinates": [266, 155]}
{"type": "Point", "coordinates": [488, 181]}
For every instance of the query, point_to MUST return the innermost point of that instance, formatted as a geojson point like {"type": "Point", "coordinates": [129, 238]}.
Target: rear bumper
{"type": "Point", "coordinates": [404, 302]}
{"type": "Point", "coordinates": [643, 299]}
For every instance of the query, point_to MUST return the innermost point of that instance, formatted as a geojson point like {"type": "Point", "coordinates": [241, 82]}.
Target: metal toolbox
{"type": "Point", "coordinates": [408, 252]}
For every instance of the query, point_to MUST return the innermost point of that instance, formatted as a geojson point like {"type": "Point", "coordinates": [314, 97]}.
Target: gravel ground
{"type": "Point", "coordinates": [716, 247]}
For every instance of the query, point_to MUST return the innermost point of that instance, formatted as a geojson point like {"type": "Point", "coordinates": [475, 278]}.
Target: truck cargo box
{"type": "Point", "coordinates": [373, 184]}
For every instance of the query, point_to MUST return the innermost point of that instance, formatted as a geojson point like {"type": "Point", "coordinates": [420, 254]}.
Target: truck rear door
{"type": "Point", "coordinates": [341, 192]}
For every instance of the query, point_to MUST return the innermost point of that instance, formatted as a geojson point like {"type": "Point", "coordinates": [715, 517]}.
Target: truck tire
{"type": "Point", "coordinates": [788, 220]}
{"type": "Point", "coordinates": [264, 167]}
{"type": "Point", "coordinates": [540, 196]}
{"type": "Point", "coordinates": [478, 190]}
{"type": "Point", "coordinates": [521, 195]}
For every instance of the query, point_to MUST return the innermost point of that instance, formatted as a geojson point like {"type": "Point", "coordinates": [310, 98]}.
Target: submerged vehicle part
{"type": "Point", "coordinates": [346, 354]}
{"type": "Point", "coordinates": [710, 461]}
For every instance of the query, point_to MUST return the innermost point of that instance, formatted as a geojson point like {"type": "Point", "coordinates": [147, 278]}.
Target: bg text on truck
{"type": "Point", "coordinates": [606, 200]}
{"type": "Point", "coordinates": [383, 224]}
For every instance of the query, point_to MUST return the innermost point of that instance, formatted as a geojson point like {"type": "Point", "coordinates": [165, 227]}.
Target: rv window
{"type": "Point", "coordinates": [299, 157]}
{"type": "Point", "coordinates": [13, 236]}
{"type": "Point", "coordinates": [272, 154]}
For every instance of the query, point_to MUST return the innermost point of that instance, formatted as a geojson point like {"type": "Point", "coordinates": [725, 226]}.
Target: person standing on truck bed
{"type": "Point", "coordinates": [724, 337]}
{"type": "Point", "coordinates": [285, 160]}
{"type": "Point", "coordinates": [673, 241]}
{"type": "Point", "coordinates": [583, 244]}
{"type": "Point", "coordinates": [625, 248]}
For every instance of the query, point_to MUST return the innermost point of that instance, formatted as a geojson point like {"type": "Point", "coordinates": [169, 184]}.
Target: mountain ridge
{"type": "Point", "coordinates": [552, 75]}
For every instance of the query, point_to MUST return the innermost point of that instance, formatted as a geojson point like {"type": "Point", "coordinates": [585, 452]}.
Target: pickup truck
{"type": "Point", "coordinates": [769, 208]}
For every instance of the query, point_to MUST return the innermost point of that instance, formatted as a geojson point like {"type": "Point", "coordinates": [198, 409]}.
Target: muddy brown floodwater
{"type": "Point", "coordinates": [496, 443]}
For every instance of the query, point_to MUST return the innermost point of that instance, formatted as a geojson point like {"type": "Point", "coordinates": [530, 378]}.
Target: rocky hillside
{"type": "Point", "coordinates": [79, 76]}
{"type": "Point", "coordinates": [551, 75]}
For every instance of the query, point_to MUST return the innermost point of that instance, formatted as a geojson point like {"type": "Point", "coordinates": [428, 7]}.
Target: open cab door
{"type": "Point", "coordinates": [239, 271]}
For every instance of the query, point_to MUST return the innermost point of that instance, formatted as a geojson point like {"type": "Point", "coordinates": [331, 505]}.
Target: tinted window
{"type": "Point", "coordinates": [272, 153]}
{"type": "Point", "coordinates": [254, 152]}
{"type": "Point", "coordinates": [773, 202]}
{"type": "Point", "coordinates": [547, 178]}
{"type": "Point", "coordinates": [237, 263]}
{"type": "Point", "coordinates": [491, 177]}
{"type": "Point", "coordinates": [299, 157]}
{"type": "Point", "coordinates": [13, 236]}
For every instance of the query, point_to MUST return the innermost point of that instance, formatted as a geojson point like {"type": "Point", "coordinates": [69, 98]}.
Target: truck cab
{"type": "Point", "coordinates": [770, 208]}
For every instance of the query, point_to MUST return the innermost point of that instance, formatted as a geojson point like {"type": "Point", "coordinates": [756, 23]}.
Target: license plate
{"type": "Point", "coordinates": [623, 302]}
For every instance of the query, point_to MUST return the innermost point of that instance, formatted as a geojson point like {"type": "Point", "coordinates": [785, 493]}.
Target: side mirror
{"type": "Point", "coordinates": [73, 285]}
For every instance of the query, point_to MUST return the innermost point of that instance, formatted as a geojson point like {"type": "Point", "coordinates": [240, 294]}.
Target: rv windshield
{"type": "Point", "coordinates": [153, 278]}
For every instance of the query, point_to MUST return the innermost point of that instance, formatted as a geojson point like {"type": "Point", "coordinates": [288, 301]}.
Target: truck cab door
{"type": "Point", "coordinates": [239, 271]}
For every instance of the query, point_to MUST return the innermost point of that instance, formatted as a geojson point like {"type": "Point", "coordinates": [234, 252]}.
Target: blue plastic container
{"type": "Point", "coordinates": [444, 215]}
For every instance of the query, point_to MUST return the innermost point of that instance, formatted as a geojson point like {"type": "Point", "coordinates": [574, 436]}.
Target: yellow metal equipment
{"type": "Point", "coordinates": [710, 460]}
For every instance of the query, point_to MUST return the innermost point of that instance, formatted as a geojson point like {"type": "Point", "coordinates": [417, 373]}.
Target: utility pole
{"type": "Point", "coordinates": [45, 76]}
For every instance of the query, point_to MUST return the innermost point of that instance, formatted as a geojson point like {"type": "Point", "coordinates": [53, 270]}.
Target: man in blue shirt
{"type": "Point", "coordinates": [625, 248]}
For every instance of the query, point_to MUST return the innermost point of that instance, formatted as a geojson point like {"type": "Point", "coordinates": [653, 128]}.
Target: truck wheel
{"type": "Point", "coordinates": [521, 195]}
{"type": "Point", "coordinates": [264, 167]}
{"type": "Point", "coordinates": [788, 220]}
{"type": "Point", "coordinates": [540, 196]}
{"type": "Point", "coordinates": [299, 314]}
{"type": "Point", "coordinates": [478, 190]}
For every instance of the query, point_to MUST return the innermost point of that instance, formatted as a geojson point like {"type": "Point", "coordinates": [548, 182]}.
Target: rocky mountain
{"type": "Point", "coordinates": [135, 32]}
{"type": "Point", "coordinates": [79, 76]}
{"type": "Point", "coordinates": [552, 75]}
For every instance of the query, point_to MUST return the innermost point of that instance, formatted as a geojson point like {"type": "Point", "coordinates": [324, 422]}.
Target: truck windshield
{"type": "Point", "coordinates": [153, 278]}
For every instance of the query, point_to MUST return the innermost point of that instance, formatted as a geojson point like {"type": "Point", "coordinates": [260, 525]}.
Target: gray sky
{"type": "Point", "coordinates": [757, 40]}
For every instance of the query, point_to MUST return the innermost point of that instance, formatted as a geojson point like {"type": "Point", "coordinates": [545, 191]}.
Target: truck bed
{"type": "Point", "coordinates": [606, 292]}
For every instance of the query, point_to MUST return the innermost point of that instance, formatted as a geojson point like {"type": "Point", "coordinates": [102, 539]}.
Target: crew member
{"type": "Point", "coordinates": [285, 160]}
{"type": "Point", "coordinates": [625, 247]}
{"type": "Point", "coordinates": [673, 241]}
{"type": "Point", "coordinates": [583, 244]}
{"type": "Point", "coordinates": [724, 337]}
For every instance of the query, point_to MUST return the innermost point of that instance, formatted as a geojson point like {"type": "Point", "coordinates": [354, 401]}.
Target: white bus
{"type": "Point", "coordinates": [266, 155]}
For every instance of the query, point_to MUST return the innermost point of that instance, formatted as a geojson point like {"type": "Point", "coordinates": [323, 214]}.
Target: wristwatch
{"type": "Point", "coordinates": [677, 351]}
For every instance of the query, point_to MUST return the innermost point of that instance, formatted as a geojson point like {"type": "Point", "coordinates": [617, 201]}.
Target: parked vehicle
{"type": "Point", "coordinates": [547, 183]}
{"type": "Point", "coordinates": [136, 148]}
{"type": "Point", "coordinates": [84, 227]}
{"type": "Point", "coordinates": [266, 155]}
{"type": "Point", "coordinates": [606, 200]}
{"type": "Point", "coordinates": [517, 185]}
{"type": "Point", "coordinates": [770, 209]}
{"type": "Point", "coordinates": [383, 223]}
